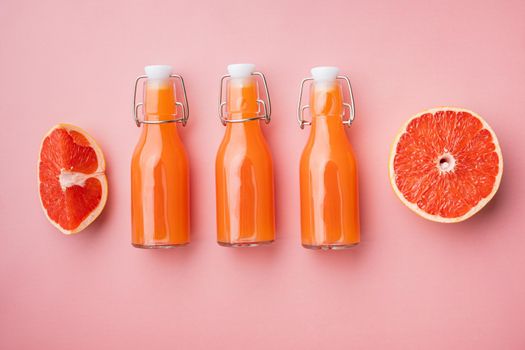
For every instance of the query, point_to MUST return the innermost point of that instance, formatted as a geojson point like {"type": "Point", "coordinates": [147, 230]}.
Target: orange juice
{"type": "Point", "coordinates": [244, 170]}
{"type": "Point", "coordinates": [328, 171]}
{"type": "Point", "coordinates": [159, 170]}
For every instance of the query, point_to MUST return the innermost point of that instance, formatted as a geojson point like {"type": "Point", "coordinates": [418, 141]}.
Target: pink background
{"type": "Point", "coordinates": [411, 284]}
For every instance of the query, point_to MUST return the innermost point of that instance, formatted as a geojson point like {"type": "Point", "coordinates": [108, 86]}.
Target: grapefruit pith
{"type": "Point", "coordinates": [446, 164]}
{"type": "Point", "coordinates": [72, 184]}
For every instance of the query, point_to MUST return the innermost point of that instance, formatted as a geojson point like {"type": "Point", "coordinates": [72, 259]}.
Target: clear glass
{"type": "Point", "coordinates": [159, 175]}
{"type": "Point", "coordinates": [244, 173]}
{"type": "Point", "coordinates": [328, 175]}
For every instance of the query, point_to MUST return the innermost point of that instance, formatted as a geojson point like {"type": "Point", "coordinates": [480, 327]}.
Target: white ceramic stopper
{"type": "Point", "coordinates": [241, 70]}
{"type": "Point", "coordinates": [325, 74]}
{"type": "Point", "coordinates": [158, 71]}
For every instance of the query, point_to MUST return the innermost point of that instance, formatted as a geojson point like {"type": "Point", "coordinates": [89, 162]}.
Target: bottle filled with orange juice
{"type": "Point", "coordinates": [243, 168]}
{"type": "Point", "coordinates": [328, 169]}
{"type": "Point", "coordinates": [159, 168]}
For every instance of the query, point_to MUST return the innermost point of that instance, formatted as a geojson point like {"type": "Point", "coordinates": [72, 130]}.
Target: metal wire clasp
{"type": "Point", "coordinates": [266, 105]}
{"type": "Point", "coordinates": [184, 106]}
{"type": "Point", "coordinates": [350, 106]}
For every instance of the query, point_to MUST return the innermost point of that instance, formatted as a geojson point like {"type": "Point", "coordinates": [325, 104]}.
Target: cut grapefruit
{"type": "Point", "coordinates": [72, 185]}
{"type": "Point", "coordinates": [446, 164]}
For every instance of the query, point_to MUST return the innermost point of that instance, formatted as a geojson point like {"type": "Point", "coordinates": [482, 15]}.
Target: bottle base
{"type": "Point", "coordinates": [158, 246]}
{"type": "Point", "coordinates": [330, 246]}
{"type": "Point", "coordinates": [243, 244]}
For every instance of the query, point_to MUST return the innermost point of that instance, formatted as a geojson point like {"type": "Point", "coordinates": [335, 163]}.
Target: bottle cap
{"type": "Point", "coordinates": [325, 73]}
{"type": "Point", "coordinates": [158, 71]}
{"type": "Point", "coordinates": [241, 70]}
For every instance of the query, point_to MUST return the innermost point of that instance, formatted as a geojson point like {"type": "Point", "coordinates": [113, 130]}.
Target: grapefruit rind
{"type": "Point", "coordinates": [413, 206]}
{"type": "Point", "coordinates": [98, 174]}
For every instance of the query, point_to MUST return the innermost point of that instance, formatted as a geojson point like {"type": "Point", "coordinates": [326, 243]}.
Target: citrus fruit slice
{"type": "Point", "coordinates": [72, 185]}
{"type": "Point", "coordinates": [446, 164]}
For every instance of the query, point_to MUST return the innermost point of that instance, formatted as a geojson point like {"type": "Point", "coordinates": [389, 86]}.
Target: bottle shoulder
{"type": "Point", "coordinates": [252, 143]}
{"type": "Point", "coordinates": [150, 151]}
{"type": "Point", "coordinates": [235, 153]}
{"type": "Point", "coordinates": [318, 153]}
{"type": "Point", "coordinates": [328, 145]}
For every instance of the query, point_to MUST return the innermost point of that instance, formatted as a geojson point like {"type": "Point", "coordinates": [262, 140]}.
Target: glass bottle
{"type": "Point", "coordinates": [328, 168]}
{"type": "Point", "coordinates": [243, 168]}
{"type": "Point", "coordinates": [159, 168]}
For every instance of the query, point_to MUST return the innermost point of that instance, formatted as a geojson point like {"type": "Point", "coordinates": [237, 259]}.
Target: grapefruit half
{"type": "Point", "coordinates": [72, 184]}
{"type": "Point", "coordinates": [445, 164]}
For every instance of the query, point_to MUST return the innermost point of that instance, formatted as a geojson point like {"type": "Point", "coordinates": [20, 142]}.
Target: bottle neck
{"type": "Point", "coordinates": [326, 105]}
{"type": "Point", "coordinates": [241, 103]}
{"type": "Point", "coordinates": [159, 100]}
{"type": "Point", "coordinates": [241, 98]}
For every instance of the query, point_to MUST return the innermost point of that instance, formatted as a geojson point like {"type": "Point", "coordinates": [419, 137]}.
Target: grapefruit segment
{"type": "Point", "coordinates": [72, 182]}
{"type": "Point", "coordinates": [446, 164]}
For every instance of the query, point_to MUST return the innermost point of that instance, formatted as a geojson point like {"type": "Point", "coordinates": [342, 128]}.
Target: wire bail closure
{"type": "Point", "coordinates": [350, 106]}
{"type": "Point", "coordinates": [266, 105]}
{"type": "Point", "coordinates": [184, 106]}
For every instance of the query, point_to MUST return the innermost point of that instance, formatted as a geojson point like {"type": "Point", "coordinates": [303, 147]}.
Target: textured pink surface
{"type": "Point", "coordinates": [411, 284]}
